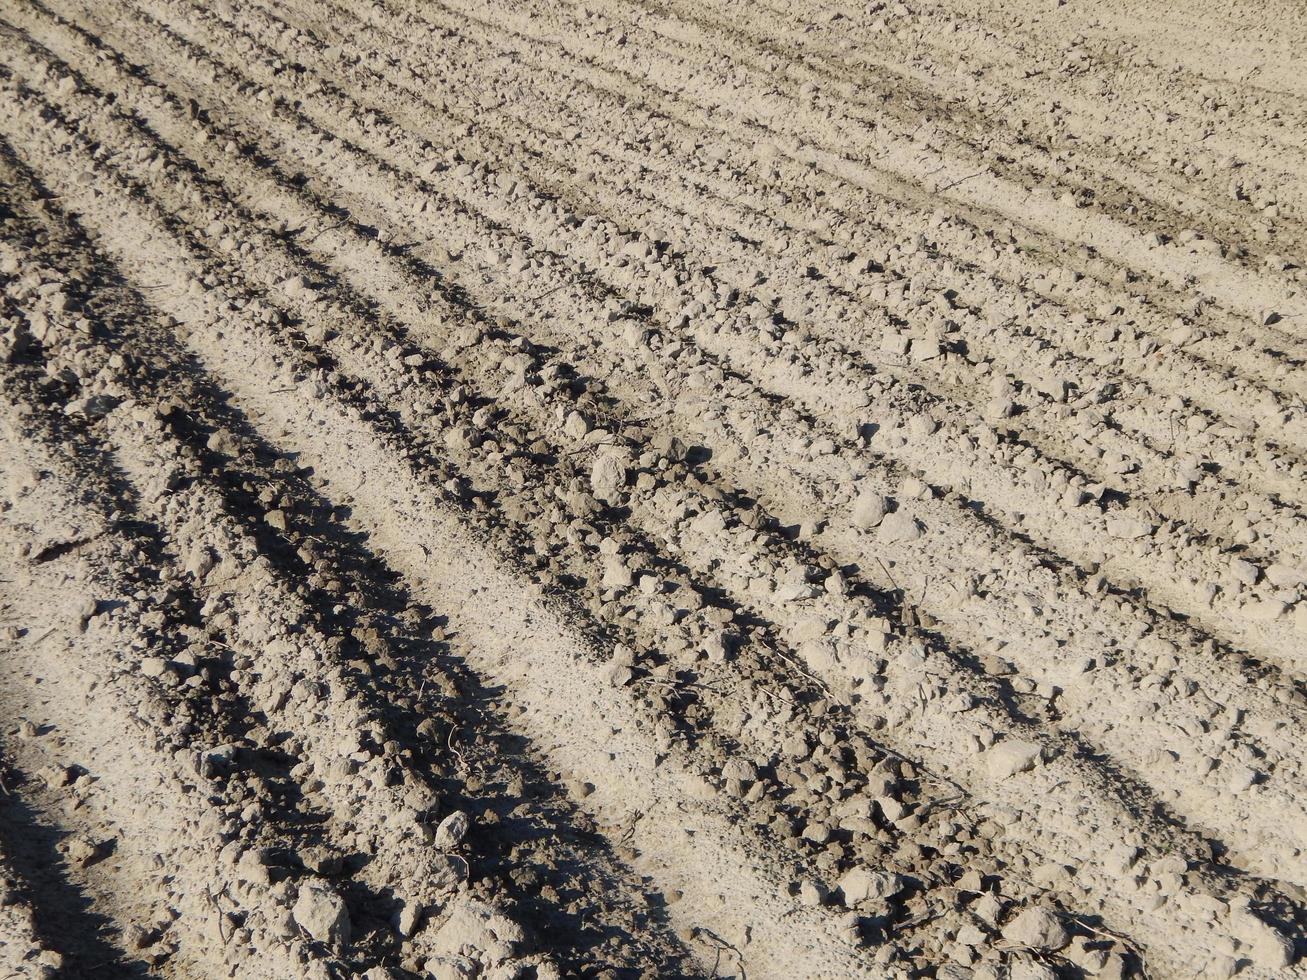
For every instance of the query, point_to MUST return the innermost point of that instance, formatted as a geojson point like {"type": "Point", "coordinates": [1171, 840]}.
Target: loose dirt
{"type": "Point", "coordinates": [647, 488]}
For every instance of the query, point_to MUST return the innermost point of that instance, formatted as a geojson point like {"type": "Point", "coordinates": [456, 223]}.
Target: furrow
{"type": "Point", "coordinates": [1094, 651]}
{"type": "Point", "coordinates": [1249, 618]}
{"type": "Point", "coordinates": [509, 487]}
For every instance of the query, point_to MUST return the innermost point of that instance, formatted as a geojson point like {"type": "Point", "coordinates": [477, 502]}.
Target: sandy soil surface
{"type": "Point", "coordinates": [649, 488]}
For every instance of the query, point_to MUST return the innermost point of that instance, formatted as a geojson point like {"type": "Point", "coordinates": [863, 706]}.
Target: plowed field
{"type": "Point", "coordinates": [648, 488]}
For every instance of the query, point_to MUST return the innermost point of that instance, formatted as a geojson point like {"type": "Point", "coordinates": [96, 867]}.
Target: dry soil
{"type": "Point", "coordinates": [647, 488]}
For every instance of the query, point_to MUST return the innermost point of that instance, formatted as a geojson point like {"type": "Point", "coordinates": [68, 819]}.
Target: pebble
{"type": "Point", "coordinates": [321, 913]}
{"type": "Point", "coordinates": [82, 850]}
{"type": "Point", "coordinates": [1037, 927]}
{"type": "Point", "coordinates": [608, 475]}
{"type": "Point", "coordinates": [741, 769]}
{"type": "Point", "coordinates": [409, 917]}
{"type": "Point", "coordinates": [452, 830]}
{"type": "Point", "coordinates": [861, 884]}
{"type": "Point", "coordinates": [869, 509]}
{"type": "Point", "coordinates": [900, 526]}
{"type": "Point", "coordinates": [1269, 948]}
{"type": "Point", "coordinates": [812, 892]}
{"type": "Point", "coordinates": [1286, 576]}
{"type": "Point", "coordinates": [1012, 756]}
{"type": "Point", "coordinates": [1244, 572]}
{"type": "Point", "coordinates": [1127, 528]}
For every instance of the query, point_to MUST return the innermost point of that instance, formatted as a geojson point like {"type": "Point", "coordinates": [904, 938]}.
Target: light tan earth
{"type": "Point", "coordinates": [643, 489]}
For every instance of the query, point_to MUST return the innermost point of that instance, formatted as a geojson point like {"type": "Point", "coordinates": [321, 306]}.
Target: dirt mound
{"type": "Point", "coordinates": [499, 489]}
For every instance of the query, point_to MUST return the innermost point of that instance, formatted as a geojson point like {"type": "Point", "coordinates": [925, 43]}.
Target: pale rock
{"type": "Point", "coordinates": [860, 884]}
{"type": "Point", "coordinates": [1286, 576]}
{"type": "Point", "coordinates": [1037, 927]}
{"type": "Point", "coordinates": [812, 893]}
{"type": "Point", "coordinates": [478, 930]}
{"type": "Point", "coordinates": [1243, 571]}
{"type": "Point", "coordinates": [1012, 756]}
{"type": "Point", "coordinates": [452, 830]}
{"type": "Point", "coordinates": [820, 655]}
{"type": "Point", "coordinates": [608, 475]}
{"type": "Point", "coordinates": [1126, 527]}
{"type": "Point", "coordinates": [321, 913]}
{"type": "Point", "coordinates": [576, 425]}
{"type": "Point", "coordinates": [740, 769]}
{"type": "Point", "coordinates": [1268, 947]}
{"type": "Point", "coordinates": [409, 917]}
{"type": "Point", "coordinates": [900, 526]}
{"type": "Point", "coordinates": [82, 850]}
{"type": "Point", "coordinates": [869, 509]}
{"type": "Point", "coordinates": [617, 575]}
{"type": "Point", "coordinates": [716, 647]}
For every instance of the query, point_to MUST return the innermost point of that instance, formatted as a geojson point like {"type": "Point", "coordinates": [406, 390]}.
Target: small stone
{"type": "Point", "coordinates": [1244, 571]}
{"type": "Point", "coordinates": [972, 882]}
{"type": "Point", "coordinates": [869, 509]}
{"type": "Point", "coordinates": [452, 830]}
{"type": "Point", "coordinates": [320, 860]}
{"type": "Point", "coordinates": [56, 776]}
{"type": "Point", "coordinates": [1012, 756]}
{"type": "Point", "coordinates": [82, 851]}
{"type": "Point", "coordinates": [900, 526]}
{"type": "Point", "coordinates": [321, 913]}
{"type": "Point", "coordinates": [1286, 576]}
{"type": "Point", "coordinates": [576, 426]}
{"type": "Point", "coordinates": [1269, 948]}
{"type": "Point", "coordinates": [1037, 927]}
{"type": "Point", "coordinates": [91, 406]}
{"type": "Point", "coordinates": [817, 832]}
{"type": "Point", "coordinates": [478, 929]}
{"type": "Point", "coordinates": [891, 809]}
{"type": "Point", "coordinates": [86, 610]}
{"type": "Point", "coordinates": [741, 769]}
{"type": "Point", "coordinates": [1240, 778]}
{"type": "Point", "coordinates": [717, 647]}
{"type": "Point", "coordinates": [608, 476]}
{"type": "Point", "coordinates": [409, 917]}
{"type": "Point", "coordinates": [1126, 527]}
{"type": "Point", "coordinates": [617, 574]}
{"type": "Point", "coordinates": [861, 884]}
{"type": "Point", "coordinates": [812, 893]}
